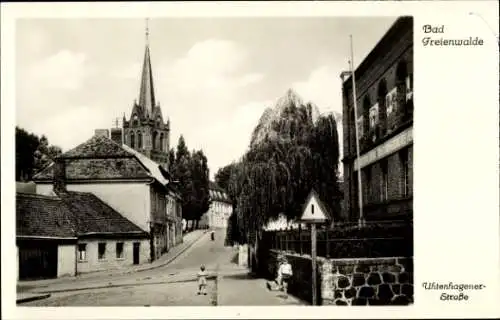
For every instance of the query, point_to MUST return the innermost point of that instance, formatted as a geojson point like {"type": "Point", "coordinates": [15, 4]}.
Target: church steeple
{"type": "Point", "coordinates": [146, 93]}
{"type": "Point", "coordinates": [146, 130]}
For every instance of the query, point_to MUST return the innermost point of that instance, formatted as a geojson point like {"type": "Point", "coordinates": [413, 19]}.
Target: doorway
{"type": "Point", "coordinates": [136, 249]}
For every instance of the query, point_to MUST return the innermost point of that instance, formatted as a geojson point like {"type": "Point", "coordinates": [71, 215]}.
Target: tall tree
{"type": "Point", "coordinates": [223, 174]}
{"type": "Point", "coordinates": [200, 177]}
{"type": "Point", "coordinates": [276, 174]}
{"type": "Point", "coordinates": [32, 154]}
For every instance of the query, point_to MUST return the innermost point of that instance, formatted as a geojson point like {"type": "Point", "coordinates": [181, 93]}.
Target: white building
{"type": "Point", "coordinates": [220, 209]}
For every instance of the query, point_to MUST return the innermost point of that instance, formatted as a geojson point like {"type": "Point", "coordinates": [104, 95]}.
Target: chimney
{"type": "Point", "coordinates": [59, 178]}
{"type": "Point", "coordinates": [101, 133]}
{"type": "Point", "coordinates": [116, 135]}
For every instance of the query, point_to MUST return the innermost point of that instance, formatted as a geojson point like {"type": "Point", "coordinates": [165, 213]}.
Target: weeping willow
{"type": "Point", "coordinates": [276, 175]}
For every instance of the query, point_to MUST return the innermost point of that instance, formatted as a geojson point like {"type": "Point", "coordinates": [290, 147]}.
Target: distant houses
{"type": "Point", "coordinates": [128, 186]}
{"type": "Point", "coordinates": [220, 209]}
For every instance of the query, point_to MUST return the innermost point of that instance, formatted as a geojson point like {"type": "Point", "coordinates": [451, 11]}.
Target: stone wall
{"type": "Point", "coordinates": [363, 281]}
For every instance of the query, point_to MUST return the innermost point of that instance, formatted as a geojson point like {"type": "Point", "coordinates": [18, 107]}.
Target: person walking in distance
{"type": "Point", "coordinates": [202, 280]}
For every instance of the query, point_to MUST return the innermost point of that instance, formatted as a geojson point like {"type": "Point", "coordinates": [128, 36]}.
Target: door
{"type": "Point", "coordinates": [37, 261]}
{"type": "Point", "coordinates": [137, 247]}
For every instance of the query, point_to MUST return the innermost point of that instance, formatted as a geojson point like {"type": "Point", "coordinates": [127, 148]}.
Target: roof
{"type": "Point", "coordinates": [217, 193]}
{"type": "Point", "coordinates": [42, 216]}
{"type": "Point", "coordinates": [96, 147]}
{"type": "Point", "coordinates": [152, 166]}
{"type": "Point", "coordinates": [92, 215]}
{"type": "Point", "coordinates": [100, 158]}
{"type": "Point", "coordinates": [69, 215]}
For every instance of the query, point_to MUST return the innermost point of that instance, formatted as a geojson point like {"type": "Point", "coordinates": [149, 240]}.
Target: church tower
{"type": "Point", "coordinates": [145, 130]}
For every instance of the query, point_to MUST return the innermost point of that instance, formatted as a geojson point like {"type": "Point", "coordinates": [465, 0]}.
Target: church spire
{"type": "Point", "coordinates": [146, 93]}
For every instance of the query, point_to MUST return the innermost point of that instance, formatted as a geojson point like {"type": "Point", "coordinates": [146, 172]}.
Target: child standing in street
{"type": "Point", "coordinates": [202, 280]}
{"type": "Point", "coordinates": [285, 272]}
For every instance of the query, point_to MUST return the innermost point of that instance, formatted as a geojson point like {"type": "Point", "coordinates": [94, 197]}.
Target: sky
{"type": "Point", "coordinates": [213, 77]}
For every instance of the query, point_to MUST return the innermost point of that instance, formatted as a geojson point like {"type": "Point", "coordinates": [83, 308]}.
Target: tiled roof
{"type": "Point", "coordinates": [92, 215]}
{"type": "Point", "coordinates": [42, 216]}
{"type": "Point", "coordinates": [216, 193]}
{"type": "Point", "coordinates": [90, 169]}
{"type": "Point", "coordinates": [69, 215]}
{"type": "Point", "coordinates": [101, 158]}
{"type": "Point", "coordinates": [96, 147]}
{"type": "Point", "coordinates": [152, 166]}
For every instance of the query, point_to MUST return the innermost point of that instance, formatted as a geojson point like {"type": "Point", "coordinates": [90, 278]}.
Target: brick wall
{"type": "Point", "coordinates": [360, 281]}
{"type": "Point", "coordinates": [390, 51]}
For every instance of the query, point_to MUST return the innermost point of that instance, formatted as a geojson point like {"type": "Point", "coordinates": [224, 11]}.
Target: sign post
{"type": "Point", "coordinates": [313, 258]}
{"type": "Point", "coordinates": [314, 212]}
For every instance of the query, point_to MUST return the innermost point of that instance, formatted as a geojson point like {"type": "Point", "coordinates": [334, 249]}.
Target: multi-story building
{"type": "Point", "coordinates": [384, 95]}
{"type": "Point", "coordinates": [131, 183]}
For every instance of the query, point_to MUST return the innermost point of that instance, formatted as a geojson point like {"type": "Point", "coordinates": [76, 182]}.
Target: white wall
{"type": "Point", "coordinates": [110, 261]}
{"type": "Point", "coordinates": [66, 260]}
{"type": "Point", "coordinates": [132, 200]}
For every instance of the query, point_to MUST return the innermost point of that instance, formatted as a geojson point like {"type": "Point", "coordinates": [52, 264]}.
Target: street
{"type": "Point", "coordinates": [175, 284]}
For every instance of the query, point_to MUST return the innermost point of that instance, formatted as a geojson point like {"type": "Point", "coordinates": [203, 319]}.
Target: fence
{"type": "Point", "coordinates": [380, 239]}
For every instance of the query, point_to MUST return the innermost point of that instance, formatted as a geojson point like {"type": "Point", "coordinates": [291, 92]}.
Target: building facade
{"type": "Point", "coordinates": [124, 178]}
{"type": "Point", "coordinates": [145, 130]}
{"type": "Point", "coordinates": [72, 233]}
{"type": "Point", "coordinates": [220, 209]}
{"type": "Point", "coordinates": [384, 95]}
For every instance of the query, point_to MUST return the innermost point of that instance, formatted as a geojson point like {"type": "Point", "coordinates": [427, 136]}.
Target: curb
{"type": "Point", "coordinates": [170, 259]}
{"type": "Point", "coordinates": [212, 277]}
{"type": "Point", "coordinates": [215, 293]}
{"type": "Point", "coordinates": [33, 298]}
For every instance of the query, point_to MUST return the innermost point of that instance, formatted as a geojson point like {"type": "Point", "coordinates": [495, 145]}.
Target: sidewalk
{"type": "Point", "coordinates": [108, 278]}
{"type": "Point", "coordinates": [237, 287]}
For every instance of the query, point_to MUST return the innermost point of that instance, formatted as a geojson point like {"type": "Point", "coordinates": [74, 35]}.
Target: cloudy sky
{"type": "Point", "coordinates": [213, 77]}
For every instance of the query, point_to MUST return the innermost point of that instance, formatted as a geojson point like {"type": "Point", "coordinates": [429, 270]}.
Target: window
{"type": "Point", "coordinates": [161, 142]}
{"type": "Point", "coordinates": [119, 250]}
{"type": "Point", "coordinates": [384, 182]}
{"type": "Point", "coordinates": [139, 140]}
{"type": "Point", "coordinates": [101, 250]}
{"type": "Point", "coordinates": [132, 140]}
{"type": "Point", "coordinates": [82, 252]}
{"type": "Point", "coordinates": [391, 100]}
{"type": "Point", "coordinates": [405, 177]}
{"type": "Point", "coordinates": [135, 121]}
{"type": "Point", "coordinates": [374, 116]}
{"type": "Point", "coordinates": [359, 123]}
{"type": "Point", "coordinates": [312, 208]}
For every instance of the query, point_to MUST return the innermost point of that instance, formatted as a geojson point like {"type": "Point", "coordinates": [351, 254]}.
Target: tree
{"type": "Point", "coordinates": [223, 174]}
{"type": "Point", "coordinates": [32, 154]}
{"type": "Point", "coordinates": [276, 175]}
{"type": "Point", "coordinates": [201, 180]}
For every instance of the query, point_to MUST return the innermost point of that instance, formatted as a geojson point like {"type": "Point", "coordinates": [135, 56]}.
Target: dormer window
{"type": "Point", "coordinates": [135, 120]}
